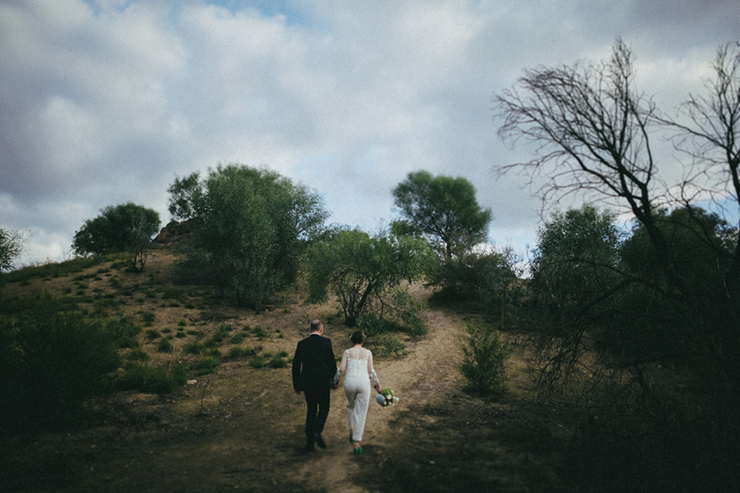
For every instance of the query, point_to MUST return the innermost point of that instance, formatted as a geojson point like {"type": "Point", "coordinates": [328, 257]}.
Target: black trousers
{"type": "Point", "coordinates": [317, 409]}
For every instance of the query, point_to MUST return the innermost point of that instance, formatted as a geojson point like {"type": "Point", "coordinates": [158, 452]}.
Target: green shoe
{"type": "Point", "coordinates": [358, 451]}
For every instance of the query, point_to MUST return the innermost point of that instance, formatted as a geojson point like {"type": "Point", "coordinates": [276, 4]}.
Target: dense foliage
{"type": "Point", "coordinates": [122, 228]}
{"type": "Point", "coordinates": [643, 330]}
{"type": "Point", "coordinates": [251, 228]}
{"type": "Point", "coordinates": [442, 209]}
{"type": "Point", "coordinates": [50, 360]}
{"type": "Point", "coordinates": [364, 272]}
{"type": "Point", "coordinates": [484, 358]}
{"type": "Point", "coordinates": [11, 246]}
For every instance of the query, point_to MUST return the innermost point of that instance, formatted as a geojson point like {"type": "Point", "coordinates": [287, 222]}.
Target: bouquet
{"type": "Point", "coordinates": [386, 398]}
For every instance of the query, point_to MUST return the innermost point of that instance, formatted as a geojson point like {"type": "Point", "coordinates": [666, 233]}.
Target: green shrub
{"type": "Point", "coordinates": [148, 318]}
{"type": "Point", "coordinates": [144, 378]}
{"type": "Point", "coordinates": [484, 359]}
{"type": "Point", "coordinates": [237, 352]}
{"type": "Point", "coordinates": [238, 338]}
{"type": "Point", "coordinates": [137, 355]}
{"type": "Point", "coordinates": [205, 366]}
{"type": "Point", "coordinates": [277, 361]}
{"type": "Point", "coordinates": [165, 346]}
{"type": "Point", "coordinates": [50, 362]}
{"type": "Point", "coordinates": [193, 348]}
{"type": "Point", "coordinates": [393, 346]}
{"type": "Point", "coordinates": [260, 333]}
{"type": "Point", "coordinates": [152, 334]}
{"type": "Point", "coordinates": [257, 362]}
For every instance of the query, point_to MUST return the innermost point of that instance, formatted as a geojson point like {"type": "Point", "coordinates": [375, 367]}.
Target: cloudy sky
{"type": "Point", "coordinates": [103, 102]}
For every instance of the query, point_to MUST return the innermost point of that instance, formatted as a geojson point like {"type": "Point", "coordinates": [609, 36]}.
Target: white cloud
{"type": "Point", "coordinates": [105, 102]}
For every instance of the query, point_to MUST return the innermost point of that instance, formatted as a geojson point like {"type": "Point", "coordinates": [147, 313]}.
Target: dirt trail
{"type": "Point", "coordinates": [417, 379]}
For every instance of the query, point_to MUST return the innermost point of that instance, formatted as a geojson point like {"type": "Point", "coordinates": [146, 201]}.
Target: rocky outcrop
{"type": "Point", "coordinates": [175, 233]}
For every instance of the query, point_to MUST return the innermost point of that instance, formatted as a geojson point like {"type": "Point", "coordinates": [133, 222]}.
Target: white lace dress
{"type": "Point", "coordinates": [357, 362]}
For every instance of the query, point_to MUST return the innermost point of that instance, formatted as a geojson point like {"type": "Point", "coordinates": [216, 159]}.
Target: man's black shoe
{"type": "Point", "coordinates": [309, 445]}
{"type": "Point", "coordinates": [319, 441]}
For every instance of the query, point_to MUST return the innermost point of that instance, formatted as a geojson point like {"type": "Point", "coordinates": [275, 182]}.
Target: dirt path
{"type": "Point", "coordinates": [421, 377]}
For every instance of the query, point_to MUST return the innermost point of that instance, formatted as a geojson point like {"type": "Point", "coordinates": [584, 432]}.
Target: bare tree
{"type": "Point", "coordinates": [593, 129]}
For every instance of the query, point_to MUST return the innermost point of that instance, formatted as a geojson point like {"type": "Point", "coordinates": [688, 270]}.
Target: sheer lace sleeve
{"type": "Point", "coordinates": [371, 369]}
{"type": "Point", "coordinates": [342, 367]}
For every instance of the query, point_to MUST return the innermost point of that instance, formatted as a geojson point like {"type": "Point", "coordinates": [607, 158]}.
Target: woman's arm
{"type": "Point", "coordinates": [342, 368]}
{"type": "Point", "coordinates": [371, 371]}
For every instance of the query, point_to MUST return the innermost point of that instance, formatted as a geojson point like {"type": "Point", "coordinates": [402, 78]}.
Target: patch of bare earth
{"type": "Point", "coordinates": [241, 428]}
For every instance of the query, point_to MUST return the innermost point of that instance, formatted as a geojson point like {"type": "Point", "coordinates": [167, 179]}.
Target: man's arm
{"type": "Point", "coordinates": [296, 368]}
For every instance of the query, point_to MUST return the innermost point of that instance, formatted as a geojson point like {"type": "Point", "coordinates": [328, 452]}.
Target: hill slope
{"type": "Point", "coordinates": [240, 428]}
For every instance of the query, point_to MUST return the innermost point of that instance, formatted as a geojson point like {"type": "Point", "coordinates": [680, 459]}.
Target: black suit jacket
{"type": "Point", "coordinates": [313, 364]}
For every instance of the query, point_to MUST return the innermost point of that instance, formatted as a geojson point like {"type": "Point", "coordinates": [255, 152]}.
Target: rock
{"type": "Point", "coordinates": [174, 233]}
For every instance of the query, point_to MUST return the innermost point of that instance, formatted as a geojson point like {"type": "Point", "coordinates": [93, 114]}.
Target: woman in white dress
{"type": "Point", "coordinates": [357, 363]}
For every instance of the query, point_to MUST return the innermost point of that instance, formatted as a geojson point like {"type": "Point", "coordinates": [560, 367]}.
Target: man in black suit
{"type": "Point", "coordinates": [313, 371]}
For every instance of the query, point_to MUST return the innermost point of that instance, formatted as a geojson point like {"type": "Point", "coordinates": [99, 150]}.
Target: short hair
{"type": "Point", "coordinates": [357, 337]}
{"type": "Point", "coordinates": [316, 325]}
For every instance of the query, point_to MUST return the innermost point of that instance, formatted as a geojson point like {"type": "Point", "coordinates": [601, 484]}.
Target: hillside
{"type": "Point", "coordinates": [240, 427]}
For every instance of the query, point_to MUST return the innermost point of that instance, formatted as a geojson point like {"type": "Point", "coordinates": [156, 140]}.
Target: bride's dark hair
{"type": "Point", "coordinates": [357, 337]}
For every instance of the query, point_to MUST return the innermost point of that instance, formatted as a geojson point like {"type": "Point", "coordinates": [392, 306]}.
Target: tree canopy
{"type": "Point", "coordinates": [122, 228]}
{"type": "Point", "coordinates": [363, 270]}
{"type": "Point", "coordinates": [442, 209]}
{"type": "Point", "coordinates": [250, 228]}
{"type": "Point", "coordinates": [629, 327]}
{"type": "Point", "coordinates": [11, 246]}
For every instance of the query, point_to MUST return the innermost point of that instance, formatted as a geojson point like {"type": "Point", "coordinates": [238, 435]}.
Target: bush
{"type": "Point", "coordinates": [50, 362]}
{"type": "Point", "coordinates": [165, 346]}
{"type": "Point", "coordinates": [277, 361]}
{"type": "Point", "coordinates": [393, 346]}
{"type": "Point", "coordinates": [257, 362]}
{"type": "Point", "coordinates": [152, 380]}
{"type": "Point", "coordinates": [484, 359]}
{"type": "Point", "coordinates": [137, 355]}
{"type": "Point", "coordinates": [193, 348]}
{"type": "Point", "coordinates": [237, 339]}
{"type": "Point", "coordinates": [205, 366]}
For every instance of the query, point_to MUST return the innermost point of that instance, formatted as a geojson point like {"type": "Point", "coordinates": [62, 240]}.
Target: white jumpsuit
{"type": "Point", "coordinates": [358, 365]}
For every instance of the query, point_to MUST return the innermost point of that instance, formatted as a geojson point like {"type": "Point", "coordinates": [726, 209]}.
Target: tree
{"type": "Point", "coordinates": [593, 130]}
{"type": "Point", "coordinates": [577, 256]}
{"type": "Point", "coordinates": [443, 210]}
{"type": "Point", "coordinates": [251, 228]}
{"type": "Point", "coordinates": [122, 228]}
{"type": "Point", "coordinates": [11, 246]}
{"type": "Point", "coordinates": [593, 134]}
{"type": "Point", "coordinates": [363, 271]}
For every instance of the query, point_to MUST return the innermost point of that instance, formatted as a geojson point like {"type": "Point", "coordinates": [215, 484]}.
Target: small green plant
{"type": "Point", "coordinates": [148, 318]}
{"type": "Point", "coordinates": [140, 376]}
{"type": "Point", "coordinates": [238, 338]}
{"type": "Point", "coordinates": [277, 361]}
{"type": "Point", "coordinates": [166, 330]}
{"type": "Point", "coordinates": [205, 366]}
{"type": "Point", "coordinates": [165, 346]}
{"type": "Point", "coordinates": [237, 352]}
{"type": "Point", "coordinates": [260, 333]}
{"type": "Point", "coordinates": [193, 348]}
{"type": "Point", "coordinates": [484, 358]}
{"type": "Point", "coordinates": [393, 346]}
{"type": "Point", "coordinates": [138, 355]}
{"type": "Point", "coordinates": [152, 334]}
{"type": "Point", "coordinates": [257, 362]}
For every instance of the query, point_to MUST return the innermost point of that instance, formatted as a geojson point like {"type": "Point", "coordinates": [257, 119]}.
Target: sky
{"type": "Point", "coordinates": [104, 102]}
